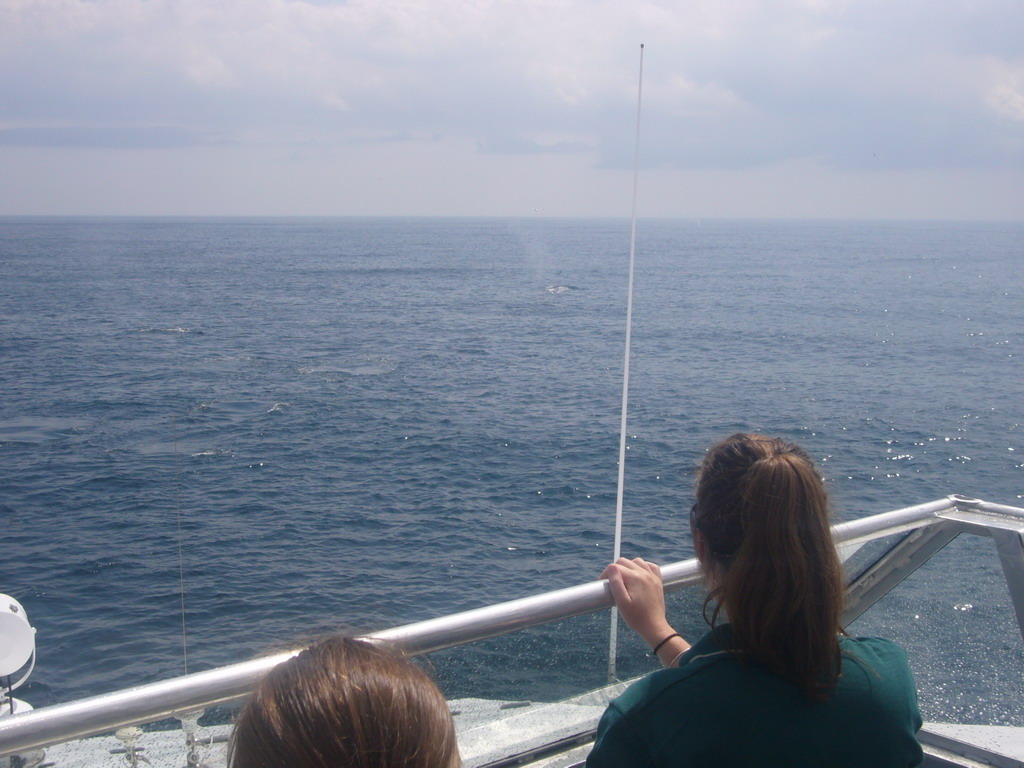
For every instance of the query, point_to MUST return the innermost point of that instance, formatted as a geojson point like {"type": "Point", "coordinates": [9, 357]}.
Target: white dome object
{"type": "Point", "coordinates": [15, 707]}
{"type": "Point", "coordinates": [17, 636]}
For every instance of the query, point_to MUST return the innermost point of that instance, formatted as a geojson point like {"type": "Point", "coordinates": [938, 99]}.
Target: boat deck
{"type": "Point", "coordinates": [499, 734]}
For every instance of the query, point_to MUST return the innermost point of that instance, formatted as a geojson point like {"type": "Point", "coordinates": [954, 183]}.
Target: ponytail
{"type": "Point", "coordinates": [763, 511]}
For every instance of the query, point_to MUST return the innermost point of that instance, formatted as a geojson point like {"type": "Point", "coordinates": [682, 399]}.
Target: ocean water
{"type": "Point", "coordinates": [319, 424]}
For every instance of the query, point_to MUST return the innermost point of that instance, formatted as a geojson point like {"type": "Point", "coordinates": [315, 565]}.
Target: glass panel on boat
{"type": "Point", "coordinates": [544, 688]}
{"type": "Point", "coordinates": [555, 661]}
{"type": "Point", "coordinates": [955, 619]}
{"type": "Point", "coordinates": [856, 560]}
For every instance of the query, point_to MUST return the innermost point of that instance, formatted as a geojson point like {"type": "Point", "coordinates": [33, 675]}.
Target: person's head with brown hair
{"type": "Point", "coordinates": [761, 528]}
{"type": "Point", "coordinates": [345, 703]}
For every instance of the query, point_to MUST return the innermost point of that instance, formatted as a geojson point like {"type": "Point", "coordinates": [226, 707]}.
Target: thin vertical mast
{"type": "Point", "coordinates": [613, 634]}
{"type": "Point", "coordinates": [181, 556]}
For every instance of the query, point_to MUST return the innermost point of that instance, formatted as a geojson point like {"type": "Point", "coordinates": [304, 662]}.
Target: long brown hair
{"type": "Point", "coordinates": [763, 511]}
{"type": "Point", "coordinates": [344, 703]}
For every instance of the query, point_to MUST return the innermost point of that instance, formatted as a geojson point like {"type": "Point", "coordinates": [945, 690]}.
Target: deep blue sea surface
{"type": "Point", "coordinates": [358, 423]}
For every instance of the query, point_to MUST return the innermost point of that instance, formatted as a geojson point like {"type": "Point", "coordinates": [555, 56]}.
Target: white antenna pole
{"type": "Point", "coordinates": [181, 556]}
{"type": "Point", "coordinates": [614, 632]}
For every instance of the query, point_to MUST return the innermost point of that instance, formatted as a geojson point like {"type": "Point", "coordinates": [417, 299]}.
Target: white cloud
{"type": "Point", "coordinates": [729, 85]}
{"type": "Point", "coordinates": [206, 69]}
{"type": "Point", "coordinates": [1006, 89]}
{"type": "Point", "coordinates": [1008, 101]}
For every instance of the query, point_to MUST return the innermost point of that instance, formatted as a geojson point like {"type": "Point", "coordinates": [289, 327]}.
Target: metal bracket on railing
{"type": "Point", "coordinates": [190, 725]}
{"type": "Point", "coordinates": [966, 501]}
{"type": "Point", "coordinates": [132, 754]}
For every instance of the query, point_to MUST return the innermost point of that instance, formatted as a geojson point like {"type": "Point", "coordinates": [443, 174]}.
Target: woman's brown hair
{"type": "Point", "coordinates": [344, 703]}
{"type": "Point", "coordinates": [763, 512]}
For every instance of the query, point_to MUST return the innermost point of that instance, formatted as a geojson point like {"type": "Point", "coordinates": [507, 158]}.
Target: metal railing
{"type": "Point", "coordinates": [926, 528]}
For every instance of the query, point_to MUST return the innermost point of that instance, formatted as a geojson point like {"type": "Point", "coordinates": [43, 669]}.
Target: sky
{"type": "Point", "coordinates": [891, 109]}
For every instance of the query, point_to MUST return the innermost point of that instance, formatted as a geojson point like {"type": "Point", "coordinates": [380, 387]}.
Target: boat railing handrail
{"type": "Point", "coordinates": [177, 696]}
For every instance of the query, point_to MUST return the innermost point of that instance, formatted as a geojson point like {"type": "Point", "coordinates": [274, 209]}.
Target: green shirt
{"type": "Point", "coordinates": [714, 711]}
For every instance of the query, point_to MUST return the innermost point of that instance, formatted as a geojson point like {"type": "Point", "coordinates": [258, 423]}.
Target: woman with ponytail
{"type": "Point", "coordinates": [775, 682]}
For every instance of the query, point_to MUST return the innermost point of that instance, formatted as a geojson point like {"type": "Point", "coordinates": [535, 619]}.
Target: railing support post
{"type": "Point", "coordinates": [1010, 545]}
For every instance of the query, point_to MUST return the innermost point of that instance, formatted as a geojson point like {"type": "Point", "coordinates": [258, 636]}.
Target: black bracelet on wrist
{"type": "Point", "coordinates": [658, 646]}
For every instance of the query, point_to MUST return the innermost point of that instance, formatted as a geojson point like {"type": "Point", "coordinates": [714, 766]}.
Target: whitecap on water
{"type": "Point", "coordinates": [37, 429]}
{"type": "Point", "coordinates": [357, 366]}
{"type": "Point", "coordinates": [233, 411]}
{"type": "Point", "coordinates": [559, 288]}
